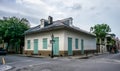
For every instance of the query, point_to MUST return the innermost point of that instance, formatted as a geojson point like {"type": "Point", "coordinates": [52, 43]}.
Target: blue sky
{"type": "Point", "coordinates": [86, 13]}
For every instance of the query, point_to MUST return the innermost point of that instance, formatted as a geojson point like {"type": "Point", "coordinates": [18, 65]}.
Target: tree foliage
{"type": "Point", "coordinates": [12, 30]}
{"type": "Point", "coordinates": [101, 30]}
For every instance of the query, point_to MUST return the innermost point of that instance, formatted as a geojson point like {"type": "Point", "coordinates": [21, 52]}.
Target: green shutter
{"type": "Point", "coordinates": [44, 43]}
{"type": "Point", "coordinates": [28, 44]}
{"type": "Point", "coordinates": [82, 46]}
{"type": "Point", "coordinates": [56, 46]}
{"type": "Point", "coordinates": [76, 43]}
{"type": "Point", "coordinates": [70, 46]}
{"type": "Point", "coordinates": [35, 46]}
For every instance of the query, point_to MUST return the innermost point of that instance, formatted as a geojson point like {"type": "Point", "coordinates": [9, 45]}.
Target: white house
{"type": "Point", "coordinates": [68, 39]}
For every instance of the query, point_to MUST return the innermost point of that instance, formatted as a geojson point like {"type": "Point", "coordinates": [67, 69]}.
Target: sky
{"type": "Point", "coordinates": [85, 13]}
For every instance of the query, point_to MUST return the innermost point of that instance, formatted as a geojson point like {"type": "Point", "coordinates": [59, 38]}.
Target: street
{"type": "Point", "coordinates": [105, 62]}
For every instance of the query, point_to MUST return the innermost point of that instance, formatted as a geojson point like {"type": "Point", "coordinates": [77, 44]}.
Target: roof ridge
{"type": "Point", "coordinates": [35, 26]}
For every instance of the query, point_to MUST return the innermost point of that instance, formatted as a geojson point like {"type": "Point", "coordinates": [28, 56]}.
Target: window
{"type": "Point", "coordinates": [28, 44]}
{"type": "Point", "coordinates": [76, 43]}
{"type": "Point", "coordinates": [44, 43]}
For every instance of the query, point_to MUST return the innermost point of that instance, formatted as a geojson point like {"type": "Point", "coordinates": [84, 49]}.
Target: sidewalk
{"type": "Point", "coordinates": [5, 67]}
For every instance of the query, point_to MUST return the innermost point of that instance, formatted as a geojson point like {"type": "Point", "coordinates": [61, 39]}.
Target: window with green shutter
{"type": "Point", "coordinates": [28, 44]}
{"type": "Point", "coordinates": [76, 43]}
{"type": "Point", "coordinates": [44, 43]}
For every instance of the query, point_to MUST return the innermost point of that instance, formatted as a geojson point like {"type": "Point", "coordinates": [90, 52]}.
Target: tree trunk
{"type": "Point", "coordinates": [7, 47]}
{"type": "Point", "coordinates": [21, 49]}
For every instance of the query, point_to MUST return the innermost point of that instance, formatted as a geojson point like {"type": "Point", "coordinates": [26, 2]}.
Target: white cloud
{"type": "Point", "coordinates": [10, 10]}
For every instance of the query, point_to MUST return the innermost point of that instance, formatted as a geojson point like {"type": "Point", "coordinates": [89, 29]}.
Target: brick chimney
{"type": "Point", "coordinates": [50, 20]}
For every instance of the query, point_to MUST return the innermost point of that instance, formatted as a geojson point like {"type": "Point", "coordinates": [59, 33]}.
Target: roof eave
{"type": "Point", "coordinates": [58, 27]}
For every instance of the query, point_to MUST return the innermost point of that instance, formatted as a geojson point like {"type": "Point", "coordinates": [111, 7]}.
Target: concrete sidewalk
{"type": "Point", "coordinates": [5, 67]}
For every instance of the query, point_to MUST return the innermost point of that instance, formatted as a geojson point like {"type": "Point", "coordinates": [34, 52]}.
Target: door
{"type": "Point", "coordinates": [70, 46]}
{"type": "Point", "coordinates": [56, 46]}
{"type": "Point", "coordinates": [35, 46]}
{"type": "Point", "coordinates": [82, 46]}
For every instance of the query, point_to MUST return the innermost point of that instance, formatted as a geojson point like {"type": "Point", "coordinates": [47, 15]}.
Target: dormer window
{"type": "Point", "coordinates": [42, 23]}
{"type": "Point", "coordinates": [68, 21]}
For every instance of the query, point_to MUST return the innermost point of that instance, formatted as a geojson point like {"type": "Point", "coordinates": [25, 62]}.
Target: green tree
{"type": "Point", "coordinates": [12, 32]}
{"type": "Point", "coordinates": [101, 30]}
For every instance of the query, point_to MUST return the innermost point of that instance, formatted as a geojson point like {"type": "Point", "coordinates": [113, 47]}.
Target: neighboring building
{"type": "Point", "coordinates": [106, 43]}
{"type": "Point", "coordinates": [117, 43]}
{"type": "Point", "coordinates": [69, 40]}
{"type": "Point", "coordinates": [110, 40]}
{"type": "Point", "coordinates": [3, 45]}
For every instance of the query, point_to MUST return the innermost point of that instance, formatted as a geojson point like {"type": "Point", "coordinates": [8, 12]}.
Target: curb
{"type": "Point", "coordinates": [69, 57]}
{"type": "Point", "coordinates": [34, 56]}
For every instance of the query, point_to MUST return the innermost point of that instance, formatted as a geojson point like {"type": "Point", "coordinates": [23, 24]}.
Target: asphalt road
{"type": "Point", "coordinates": [106, 62]}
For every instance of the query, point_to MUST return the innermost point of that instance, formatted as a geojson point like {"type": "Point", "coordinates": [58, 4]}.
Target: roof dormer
{"type": "Point", "coordinates": [42, 23]}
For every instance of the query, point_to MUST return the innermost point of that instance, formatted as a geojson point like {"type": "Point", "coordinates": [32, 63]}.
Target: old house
{"type": "Point", "coordinates": [68, 39]}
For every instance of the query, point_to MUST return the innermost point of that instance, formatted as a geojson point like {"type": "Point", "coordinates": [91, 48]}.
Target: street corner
{"type": "Point", "coordinates": [5, 67]}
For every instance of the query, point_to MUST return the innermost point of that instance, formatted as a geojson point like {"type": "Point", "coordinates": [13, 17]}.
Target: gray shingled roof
{"type": "Point", "coordinates": [59, 24]}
